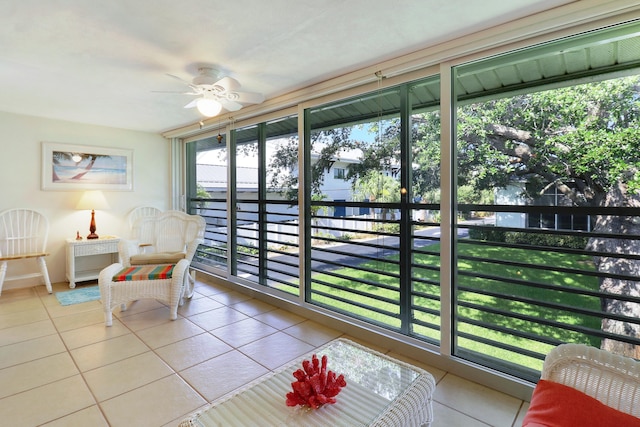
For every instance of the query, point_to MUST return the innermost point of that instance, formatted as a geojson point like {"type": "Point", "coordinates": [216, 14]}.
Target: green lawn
{"type": "Point", "coordinates": [377, 299]}
{"type": "Point", "coordinates": [562, 281]}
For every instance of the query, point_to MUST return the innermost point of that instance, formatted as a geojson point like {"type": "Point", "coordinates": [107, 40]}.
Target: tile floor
{"type": "Point", "coordinates": [60, 366]}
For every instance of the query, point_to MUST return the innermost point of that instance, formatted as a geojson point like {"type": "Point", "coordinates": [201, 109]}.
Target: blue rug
{"type": "Point", "coordinates": [79, 295]}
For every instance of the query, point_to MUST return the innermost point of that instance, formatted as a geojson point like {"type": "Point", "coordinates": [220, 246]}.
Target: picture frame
{"type": "Point", "coordinates": [68, 167]}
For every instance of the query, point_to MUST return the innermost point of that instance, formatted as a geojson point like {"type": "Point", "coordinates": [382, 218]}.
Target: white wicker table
{"type": "Point", "coordinates": [380, 391]}
{"type": "Point", "coordinates": [86, 258]}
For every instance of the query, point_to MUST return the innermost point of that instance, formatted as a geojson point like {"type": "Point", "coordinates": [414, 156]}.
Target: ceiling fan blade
{"type": "Point", "coordinates": [191, 104]}
{"type": "Point", "coordinates": [228, 84]}
{"type": "Point", "coordinates": [246, 97]}
{"type": "Point", "coordinates": [194, 88]}
{"type": "Point", "coordinates": [225, 91]}
{"type": "Point", "coordinates": [179, 78]}
{"type": "Point", "coordinates": [174, 91]}
{"type": "Point", "coordinates": [230, 105]}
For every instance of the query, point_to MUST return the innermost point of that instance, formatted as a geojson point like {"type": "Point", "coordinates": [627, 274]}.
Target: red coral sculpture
{"type": "Point", "coordinates": [315, 386]}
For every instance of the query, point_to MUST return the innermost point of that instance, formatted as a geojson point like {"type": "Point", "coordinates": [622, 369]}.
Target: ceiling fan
{"type": "Point", "coordinates": [216, 92]}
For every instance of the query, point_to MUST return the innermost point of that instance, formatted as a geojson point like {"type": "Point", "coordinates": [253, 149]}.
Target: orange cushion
{"type": "Point", "coordinates": [558, 405]}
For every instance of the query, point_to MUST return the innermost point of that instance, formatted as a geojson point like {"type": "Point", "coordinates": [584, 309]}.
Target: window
{"type": "Point", "coordinates": [339, 173]}
{"type": "Point", "coordinates": [530, 273]}
{"type": "Point", "coordinates": [544, 219]}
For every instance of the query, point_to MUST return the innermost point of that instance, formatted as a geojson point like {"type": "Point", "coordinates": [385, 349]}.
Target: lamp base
{"type": "Point", "coordinates": [92, 226]}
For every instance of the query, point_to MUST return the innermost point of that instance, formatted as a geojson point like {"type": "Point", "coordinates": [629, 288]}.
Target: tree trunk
{"type": "Point", "coordinates": [630, 226]}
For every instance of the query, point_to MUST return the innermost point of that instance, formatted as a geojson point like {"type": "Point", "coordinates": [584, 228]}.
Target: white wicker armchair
{"type": "Point", "coordinates": [585, 386]}
{"type": "Point", "coordinates": [610, 378]}
{"type": "Point", "coordinates": [171, 232]}
{"type": "Point", "coordinates": [147, 273]}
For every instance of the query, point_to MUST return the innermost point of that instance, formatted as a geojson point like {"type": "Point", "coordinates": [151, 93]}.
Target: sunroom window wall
{"type": "Point", "coordinates": [538, 245]}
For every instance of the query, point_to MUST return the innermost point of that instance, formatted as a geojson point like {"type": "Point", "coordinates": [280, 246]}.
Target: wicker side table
{"type": "Point", "coordinates": [86, 258]}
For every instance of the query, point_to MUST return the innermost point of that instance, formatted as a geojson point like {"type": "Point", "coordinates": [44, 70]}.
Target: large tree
{"type": "Point", "coordinates": [327, 146]}
{"type": "Point", "coordinates": [582, 139]}
{"type": "Point", "coordinates": [585, 141]}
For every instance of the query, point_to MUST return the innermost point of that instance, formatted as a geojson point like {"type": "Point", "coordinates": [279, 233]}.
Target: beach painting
{"type": "Point", "coordinates": [81, 167]}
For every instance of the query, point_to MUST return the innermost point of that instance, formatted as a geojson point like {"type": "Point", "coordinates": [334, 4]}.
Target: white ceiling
{"type": "Point", "coordinates": [100, 62]}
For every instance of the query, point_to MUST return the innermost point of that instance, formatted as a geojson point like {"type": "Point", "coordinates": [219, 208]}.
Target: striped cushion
{"type": "Point", "coordinates": [144, 272]}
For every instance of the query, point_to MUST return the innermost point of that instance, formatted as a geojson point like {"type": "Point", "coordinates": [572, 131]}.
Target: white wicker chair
{"type": "Point", "coordinates": [175, 240]}
{"type": "Point", "coordinates": [23, 234]}
{"type": "Point", "coordinates": [172, 234]}
{"type": "Point", "coordinates": [612, 379]}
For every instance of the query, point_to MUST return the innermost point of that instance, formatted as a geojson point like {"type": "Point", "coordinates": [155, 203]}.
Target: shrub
{"type": "Point", "coordinates": [526, 238]}
{"type": "Point", "coordinates": [391, 228]}
{"type": "Point", "coordinates": [486, 233]}
{"type": "Point", "coordinates": [536, 239]}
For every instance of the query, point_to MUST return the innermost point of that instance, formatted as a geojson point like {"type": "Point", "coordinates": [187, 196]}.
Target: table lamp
{"type": "Point", "coordinates": [92, 200]}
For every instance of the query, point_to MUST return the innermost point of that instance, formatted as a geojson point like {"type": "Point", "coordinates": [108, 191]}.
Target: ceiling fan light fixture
{"type": "Point", "coordinates": [208, 107]}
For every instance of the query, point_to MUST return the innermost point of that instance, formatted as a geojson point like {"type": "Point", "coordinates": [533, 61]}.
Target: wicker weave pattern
{"type": "Point", "coordinates": [412, 408]}
{"type": "Point", "coordinates": [264, 399]}
{"type": "Point", "coordinates": [612, 379]}
{"type": "Point", "coordinates": [115, 294]}
{"type": "Point", "coordinates": [173, 231]}
{"type": "Point", "coordinates": [90, 248]}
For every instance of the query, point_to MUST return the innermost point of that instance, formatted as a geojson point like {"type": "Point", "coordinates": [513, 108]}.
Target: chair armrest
{"type": "Point", "coordinates": [107, 273]}
{"type": "Point", "coordinates": [191, 249]}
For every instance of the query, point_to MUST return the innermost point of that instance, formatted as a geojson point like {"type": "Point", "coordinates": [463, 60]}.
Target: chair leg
{"type": "Point", "coordinates": [108, 317]}
{"type": "Point", "coordinates": [189, 284]}
{"type": "Point", "coordinates": [3, 272]}
{"type": "Point", "coordinates": [45, 273]}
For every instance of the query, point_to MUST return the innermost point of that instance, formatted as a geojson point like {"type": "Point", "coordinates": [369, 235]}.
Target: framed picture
{"type": "Point", "coordinates": [81, 167]}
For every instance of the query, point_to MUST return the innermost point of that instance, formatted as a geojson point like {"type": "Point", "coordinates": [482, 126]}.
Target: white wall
{"type": "Point", "coordinates": [20, 182]}
{"type": "Point", "coordinates": [511, 195]}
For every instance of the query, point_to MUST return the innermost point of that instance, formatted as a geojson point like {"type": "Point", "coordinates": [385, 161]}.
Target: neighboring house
{"type": "Point", "coordinates": [213, 178]}
{"type": "Point", "coordinates": [335, 186]}
{"type": "Point", "coordinates": [512, 195]}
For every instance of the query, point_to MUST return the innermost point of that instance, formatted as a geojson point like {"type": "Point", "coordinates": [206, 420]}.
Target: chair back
{"type": "Point", "coordinates": [610, 378]}
{"type": "Point", "coordinates": [176, 231]}
{"type": "Point", "coordinates": [142, 230]}
{"type": "Point", "coordinates": [23, 232]}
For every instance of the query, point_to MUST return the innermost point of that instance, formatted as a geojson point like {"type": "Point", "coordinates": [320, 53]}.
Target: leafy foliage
{"type": "Point", "coordinates": [377, 187]}
{"type": "Point", "coordinates": [283, 169]}
{"type": "Point", "coordinates": [584, 139]}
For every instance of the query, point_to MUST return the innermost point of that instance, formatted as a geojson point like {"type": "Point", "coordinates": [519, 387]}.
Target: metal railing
{"type": "Point", "coordinates": [518, 291]}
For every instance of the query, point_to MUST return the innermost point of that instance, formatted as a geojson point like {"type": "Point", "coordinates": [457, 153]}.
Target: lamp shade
{"type": "Point", "coordinates": [208, 107]}
{"type": "Point", "coordinates": [91, 200]}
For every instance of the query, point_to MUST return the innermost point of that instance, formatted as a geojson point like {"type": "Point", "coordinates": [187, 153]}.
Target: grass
{"type": "Point", "coordinates": [536, 302]}
{"type": "Point", "coordinates": [374, 296]}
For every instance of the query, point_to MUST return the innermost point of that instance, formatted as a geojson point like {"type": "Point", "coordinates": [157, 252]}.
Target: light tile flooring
{"type": "Point", "coordinates": [60, 366]}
